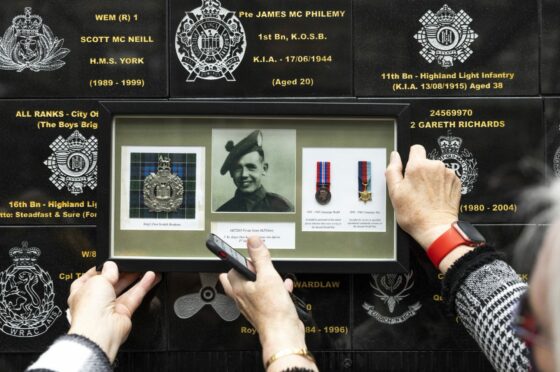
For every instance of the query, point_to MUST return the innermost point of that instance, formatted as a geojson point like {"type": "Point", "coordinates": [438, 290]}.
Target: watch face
{"type": "Point", "coordinates": [470, 233]}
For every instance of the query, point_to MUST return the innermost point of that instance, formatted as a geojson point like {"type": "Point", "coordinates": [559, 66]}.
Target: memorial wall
{"type": "Point", "coordinates": [100, 99]}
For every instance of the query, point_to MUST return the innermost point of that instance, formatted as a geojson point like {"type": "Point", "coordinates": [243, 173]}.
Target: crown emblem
{"type": "Point", "coordinates": [450, 144]}
{"type": "Point", "coordinates": [27, 24]}
{"type": "Point", "coordinates": [24, 255]}
{"type": "Point", "coordinates": [164, 163]}
{"type": "Point", "coordinates": [446, 15]}
{"type": "Point", "coordinates": [461, 161]}
{"type": "Point", "coordinates": [76, 141]}
{"type": "Point", "coordinates": [211, 8]}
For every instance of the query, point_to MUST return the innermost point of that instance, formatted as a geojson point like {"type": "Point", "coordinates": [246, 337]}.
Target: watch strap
{"type": "Point", "coordinates": [447, 242]}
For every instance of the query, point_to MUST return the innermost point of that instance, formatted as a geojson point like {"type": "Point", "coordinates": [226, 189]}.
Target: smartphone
{"type": "Point", "coordinates": [239, 262]}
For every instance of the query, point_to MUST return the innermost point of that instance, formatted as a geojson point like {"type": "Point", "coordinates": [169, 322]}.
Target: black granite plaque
{"type": "Point", "coordinates": [550, 53]}
{"type": "Point", "coordinates": [36, 281]}
{"type": "Point", "coordinates": [88, 48]}
{"type": "Point", "coordinates": [404, 312]}
{"type": "Point", "coordinates": [251, 49]}
{"type": "Point", "coordinates": [453, 48]}
{"type": "Point", "coordinates": [202, 317]}
{"type": "Point", "coordinates": [49, 154]}
{"type": "Point", "coordinates": [495, 146]}
{"type": "Point", "coordinates": [552, 119]}
{"type": "Point", "coordinates": [328, 302]}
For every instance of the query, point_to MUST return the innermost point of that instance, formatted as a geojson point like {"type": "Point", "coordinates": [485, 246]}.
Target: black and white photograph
{"type": "Point", "coordinates": [253, 170]}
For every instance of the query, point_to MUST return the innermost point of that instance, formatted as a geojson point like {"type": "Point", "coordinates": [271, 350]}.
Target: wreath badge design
{"type": "Point", "coordinates": [391, 289]}
{"type": "Point", "coordinates": [445, 36]}
{"type": "Point", "coordinates": [30, 44]}
{"type": "Point", "coordinates": [210, 42]}
{"type": "Point", "coordinates": [163, 191]}
{"type": "Point", "coordinates": [462, 162]}
{"type": "Point", "coordinates": [73, 162]}
{"type": "Point", "coordinates": [27, 306]}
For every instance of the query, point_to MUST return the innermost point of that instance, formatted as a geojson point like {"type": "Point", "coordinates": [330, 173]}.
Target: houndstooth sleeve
{"type": "Point", "coordinates": [484, 297]}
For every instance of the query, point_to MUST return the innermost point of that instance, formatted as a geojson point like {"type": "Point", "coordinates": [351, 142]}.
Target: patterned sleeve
{"type": "Point", "coordinates": [72, 353]}
{"type": "Point", "coordinates": [483, 291]}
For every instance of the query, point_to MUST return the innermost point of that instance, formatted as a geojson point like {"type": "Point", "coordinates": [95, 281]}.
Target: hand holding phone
{"type": "Point", "coordinates": [238, 262]}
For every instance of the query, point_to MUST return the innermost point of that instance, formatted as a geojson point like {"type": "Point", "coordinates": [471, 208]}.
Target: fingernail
{"type": "Point", "coordinates": [393, 154]}
{"type": "Point", "coordinates": [254, 242]}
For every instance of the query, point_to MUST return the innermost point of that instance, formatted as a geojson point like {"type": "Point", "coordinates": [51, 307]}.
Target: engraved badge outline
{"type": "Point", "coordinates": [391, 289]}
{"type": "Point", "coordinates": [210, 42]}
{"type": "Point", "coordinates": [462, 162]}
{"type": "Point", "coordinates": [73, 163]}
{"type": "Point", "coordinates": [187, 306]}
{"type": "Point", "coordinates": [446, 36]}
{"type": "Point", "coordinates": [30, 44]}
{"type": "Point", "coordinates": [154, 198]}
{"type": "Point", "coordinates": [556, 163]}
{"type": "Point", "coordinates": [24, 313]}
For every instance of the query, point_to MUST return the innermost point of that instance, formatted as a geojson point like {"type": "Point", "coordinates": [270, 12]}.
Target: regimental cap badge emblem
{"type": "Point", "coordinates": [461, 161]}
{"type": "Point", "coordinates": [446, 36]}
{"type": "Point", "coordinates": [163, 190]}
{"type": "Point", "coordinates": [210, 42]}
{"type": "Point", "coordinates": [391, 289]}
{"type": "Point", "coordinates": [73, 163]}
{"type": "Point", "coordinates": [27, 306]}
{"type": "Point", "coordinates": [30, 44]}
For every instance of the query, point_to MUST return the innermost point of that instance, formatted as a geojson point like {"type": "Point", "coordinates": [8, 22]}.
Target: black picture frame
{"type": "Point", "coordinates": [399, 112]}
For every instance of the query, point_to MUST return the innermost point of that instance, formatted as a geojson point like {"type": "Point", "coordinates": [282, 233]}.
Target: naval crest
{"type": "Point", "coordinates": [30, 44]}
{"type": "Point", "coordinates": [27, 306]}
{"type": "Point", "coordinates": [446, 36]}
{"type": "Point", "coordinates": [462, 162]}
{"type": "Point", "coordinates": [73, 162]}
{"type": "Point", "coordinates": [210, 42]}
{"type": "Point", "coordinates": [163, 190]}
{"type": "Point", "coordinates": [391, 289]}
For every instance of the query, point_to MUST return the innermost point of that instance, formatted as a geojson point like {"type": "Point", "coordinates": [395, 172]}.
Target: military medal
{"type": "Point", "coordinates": [364, 181]}
{"type": "Point", "coordinates": [323, 186]}
{"type": "Point", "coordinates": [163, 191]}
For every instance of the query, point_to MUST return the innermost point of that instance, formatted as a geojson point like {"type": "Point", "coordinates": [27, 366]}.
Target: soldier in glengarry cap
{"type": "Point", "coordinates": [247, 166]}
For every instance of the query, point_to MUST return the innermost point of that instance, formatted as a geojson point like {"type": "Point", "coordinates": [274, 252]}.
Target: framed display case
{"type": "Point", "coordinates": [306, 177]}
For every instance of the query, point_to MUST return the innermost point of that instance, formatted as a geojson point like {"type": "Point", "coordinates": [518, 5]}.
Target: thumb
{"type": "Point", "coordinates": [259, 253]}
{"type": "Point", "coordinates": [394, 171]}
{"type": "Point", "coordinates": [111, 272]}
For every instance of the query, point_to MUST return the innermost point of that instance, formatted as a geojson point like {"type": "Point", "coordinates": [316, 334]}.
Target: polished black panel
{"type": "Point", "coordinates": [36, 282]}
{"type": "Point", "coordinates": [474, 48]}
{"type": "Point", "coordinates": [89, 48]}
{"type": "Point", "coordinates": [404, 312]}
{"type": "Point", "coordinates": [495, 146]}
{"type": "Point", "coordinates": [552, 127]}
{"type": "Point", "coordinates": [48, 156]}
{"type": "Point", "coordinates": [550, 53]}
{"type": "Point", "coordinates": [274, 49]}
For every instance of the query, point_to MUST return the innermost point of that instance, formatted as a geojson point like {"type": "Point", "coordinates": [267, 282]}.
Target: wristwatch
{"type": "Point", "coordinates": [460, 233]}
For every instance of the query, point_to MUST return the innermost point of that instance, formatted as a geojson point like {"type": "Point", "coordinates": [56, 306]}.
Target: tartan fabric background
{"type": "Point", "coordinates": [183, 165]}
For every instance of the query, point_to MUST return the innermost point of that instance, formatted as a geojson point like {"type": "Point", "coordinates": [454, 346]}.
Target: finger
{"type": "Point", "coordinates": [130, 300]}
{"type": "Point", "coordinates": [417, 152]}
{"type": "Point", "coordinates": [78, 283]}
{"type": "Point", "coordinates": [226, 284]}
{"type": "Point", "coordinates": [289, 285]}
{"type": "Point", "coordinates": [125, 280]}
{"type": "Point", "coordinates": [259, 253]}
{"type": "Point", "coordinates": [111, 272]}
{"type": "Point", "coordinates": [394, 174]}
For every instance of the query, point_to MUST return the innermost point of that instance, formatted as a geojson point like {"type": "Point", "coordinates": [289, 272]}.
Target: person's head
{"type": "Point", "coordinates": [246, 163]}
{"type": "Point", "coordinates": [542, 306]}
{"type": "Point", "coordinates": [247, 172]}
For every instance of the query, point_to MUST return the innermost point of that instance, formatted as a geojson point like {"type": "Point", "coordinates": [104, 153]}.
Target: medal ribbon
{"type": "Point", "coordinates": [364, 175]}
{"type": "Point", "coordinates": [323, 174]}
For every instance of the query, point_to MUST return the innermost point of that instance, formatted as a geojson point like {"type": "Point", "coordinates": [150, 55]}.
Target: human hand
{"type": "Point", "coordinates": [99, 309]}
{"type": "Point", "coordinates": [267, 305]}
{"type": "Point", "coordinates": [426, 199]}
